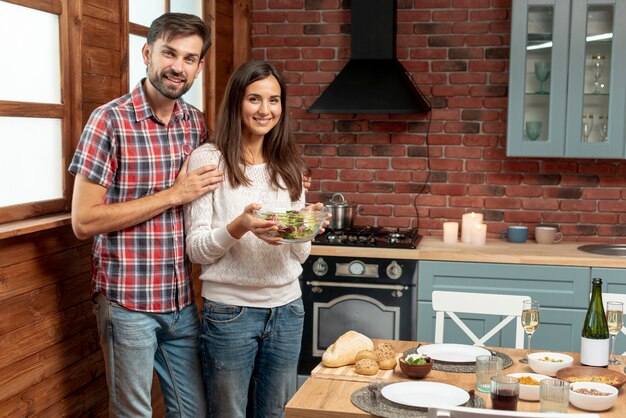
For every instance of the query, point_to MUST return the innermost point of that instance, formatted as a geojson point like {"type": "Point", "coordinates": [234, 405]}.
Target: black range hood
{"type": "Point", "coordinates": [373, 81]}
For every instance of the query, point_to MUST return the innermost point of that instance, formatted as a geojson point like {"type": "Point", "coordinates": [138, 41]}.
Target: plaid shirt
{"type": "Point", "coordinates": [127, 149]}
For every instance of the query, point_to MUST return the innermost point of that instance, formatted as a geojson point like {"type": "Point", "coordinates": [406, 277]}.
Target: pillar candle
{"type": "Point", "coordinates": [479, 234]}
{"type": "Point", "coordinates": [450, 232]}
{"type": "Point", "coordinates": [468, 221]}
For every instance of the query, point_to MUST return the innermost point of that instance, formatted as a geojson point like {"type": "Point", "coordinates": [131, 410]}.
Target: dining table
{"type": "Point", "coordinates": [323, 396]}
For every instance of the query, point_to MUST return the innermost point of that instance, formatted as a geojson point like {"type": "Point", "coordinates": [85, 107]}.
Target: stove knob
{"type": "Point", "coordinates": [320, 267]}
{"type": "Point", "coordinates": [394, 270]}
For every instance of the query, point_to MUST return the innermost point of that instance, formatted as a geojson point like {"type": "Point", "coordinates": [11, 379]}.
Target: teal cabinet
{"type": "Point", "coordinates": [563, 293]}
{"type": "Point", "coordinates": [566, 86]}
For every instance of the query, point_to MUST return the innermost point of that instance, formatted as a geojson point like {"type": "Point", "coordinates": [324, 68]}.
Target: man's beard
{"type": "Point", "coordinates": [171, 93]}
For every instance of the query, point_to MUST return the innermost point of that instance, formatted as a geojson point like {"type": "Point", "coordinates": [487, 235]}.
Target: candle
{"type": "Point", "coordinates": [469, 220]}
{"type": "Point", "coordinates": [450, 232]}
{"type": "Point", "coordinates": [479, 234]}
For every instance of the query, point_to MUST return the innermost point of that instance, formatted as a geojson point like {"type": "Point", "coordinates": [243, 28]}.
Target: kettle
{"type": "Point", "coordinates": [343, 212]}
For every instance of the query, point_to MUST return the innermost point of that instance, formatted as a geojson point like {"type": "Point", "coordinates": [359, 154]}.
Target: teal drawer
{"type": "Point", "coordinates": [552, 286]}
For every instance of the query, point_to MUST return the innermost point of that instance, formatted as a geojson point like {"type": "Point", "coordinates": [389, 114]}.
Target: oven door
{"type": "Point", "coordinates": [386, 311]}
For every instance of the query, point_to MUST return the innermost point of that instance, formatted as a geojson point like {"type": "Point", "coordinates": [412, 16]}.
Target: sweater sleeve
{"type": "Point", "coordinates": [205, 244]}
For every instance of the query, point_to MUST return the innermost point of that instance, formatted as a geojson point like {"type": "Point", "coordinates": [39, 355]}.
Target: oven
{"type": "Point", "coordinates": [374, 296]}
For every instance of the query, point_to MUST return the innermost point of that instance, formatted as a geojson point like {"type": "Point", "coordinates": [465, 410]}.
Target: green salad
{"type": "Point", "coordinates": [292, 224]}
{"type": "Point", "coordinates": [414, 359]}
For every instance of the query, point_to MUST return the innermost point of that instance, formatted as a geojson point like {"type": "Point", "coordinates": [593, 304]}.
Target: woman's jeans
{"type": "Point", "coordinates": [135, 343]}
{"type": "Point", "coordinates": [250, 358]}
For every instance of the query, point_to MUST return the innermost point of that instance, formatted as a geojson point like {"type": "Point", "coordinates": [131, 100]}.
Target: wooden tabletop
{"type": "Point", "coordinates": [495, 251]}
{"type": "Point", "coordinates": [330, 398]}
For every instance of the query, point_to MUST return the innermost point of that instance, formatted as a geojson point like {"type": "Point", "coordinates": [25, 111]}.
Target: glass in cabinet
{"type": "Point", "coordinates": [566, 98]}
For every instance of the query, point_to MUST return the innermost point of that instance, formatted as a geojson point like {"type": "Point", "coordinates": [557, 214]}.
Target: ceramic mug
{"type": "Point", "coordinates": [547, 235]}
{"type": "Point", "coordinates": [517, 234]}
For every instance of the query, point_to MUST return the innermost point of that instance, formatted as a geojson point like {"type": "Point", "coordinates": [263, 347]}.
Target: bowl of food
{"type": "Point", "coordinates": [592, 396]}
{"type": "Point", "coordinates": [592, 374]}
{"type": "Point", "coordinates": [297, 222]}
{"type": "Point", "coordinates": [549, 363]}
{"type": "Point", "coordinates": [529, 385]}
{"type": "Point", "coordinates": [416, 365]}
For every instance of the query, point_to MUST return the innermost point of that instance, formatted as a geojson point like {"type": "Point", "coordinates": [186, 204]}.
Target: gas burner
{"type": "Point", "coordinates": [370, 237]}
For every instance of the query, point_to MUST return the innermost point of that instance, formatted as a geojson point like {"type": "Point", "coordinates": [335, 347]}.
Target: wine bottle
{"type": "Point", "coordinates": [594, 346]}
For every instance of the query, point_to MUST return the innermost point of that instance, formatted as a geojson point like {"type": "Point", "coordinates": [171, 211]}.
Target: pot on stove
{"type": "Point", "coordinates": [343, 212]}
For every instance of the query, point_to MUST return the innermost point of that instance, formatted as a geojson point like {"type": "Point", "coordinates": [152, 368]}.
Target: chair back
{"type": "Point", "coordinates": [451, 303]}
{"type": "Point", "coordinates": [463, 412]}
{"type": "Point", "coordinates": [618, 297]}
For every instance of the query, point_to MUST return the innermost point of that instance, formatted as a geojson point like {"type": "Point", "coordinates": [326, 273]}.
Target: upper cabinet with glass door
{"type": "Point", "coordinates": [566, 98]}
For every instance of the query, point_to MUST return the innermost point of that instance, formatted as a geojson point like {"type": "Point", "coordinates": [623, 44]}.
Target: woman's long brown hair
{"type": "Point", "coordinates": [279, 147]}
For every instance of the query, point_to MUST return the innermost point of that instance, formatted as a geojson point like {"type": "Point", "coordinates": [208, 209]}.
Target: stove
{"type": "Point", "coordinates": [370, 237]}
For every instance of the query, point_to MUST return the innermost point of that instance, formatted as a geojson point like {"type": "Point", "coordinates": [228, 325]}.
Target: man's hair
{"type": "Point", "coordinates": [170, 25]}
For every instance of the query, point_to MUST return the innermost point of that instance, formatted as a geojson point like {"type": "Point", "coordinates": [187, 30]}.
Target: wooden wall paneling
{"type": "Point", "coordinates": [242, 32]}
{"type": "Point", "coordinates": [29, 307]}
{"type": "Point", "coordinates": [101, 33]}
{"type": "Point", "coordinates": [209, 73]}
{"type": "Point", "coordinates": [54, 389]}
{"type": "Point", "coordinates": [37, 368]}
{"type": "Point", "coordinates": [103, 61]}
{"type": "Point", "coordinates": [108, 10]}
{"type": "Point", "coordinates": [74, 106]}
{"type": "Point", "coordinates": [84, 402]}
{"type": "Point", "coordinates": [26, 247]}
{"type": "Point", "coordinates": [34, 274]}
{"type": "Point", "coordinates": [50, 330]}
{"type": "Point", "coordinates": [124, 43]}
{"type": "Point", "coordinates": [100, 88]}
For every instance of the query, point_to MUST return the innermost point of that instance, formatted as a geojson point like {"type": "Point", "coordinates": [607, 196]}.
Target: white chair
{"type": "Point", "coordinates": [463, 412]}
{"type": "Point", "coordinates": [451, 303]}
{"type": "Point", "coordinates": [618, 297]}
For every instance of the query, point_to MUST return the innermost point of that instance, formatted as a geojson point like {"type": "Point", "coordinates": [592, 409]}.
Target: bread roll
{"type": "Point", "coordinates": [366, 354]}
{"type": "Point", "coordinates": [343, 351]}
{"type": "Point", "coordinates": [386, 355]}
{"type": "Point", "coordinates": [366, 366]}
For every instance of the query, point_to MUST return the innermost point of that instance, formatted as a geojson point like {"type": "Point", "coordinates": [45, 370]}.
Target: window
{"type": "Point", "coordinates": [141, 13]}
{"type": "Point", "coordinates": [35, 132]}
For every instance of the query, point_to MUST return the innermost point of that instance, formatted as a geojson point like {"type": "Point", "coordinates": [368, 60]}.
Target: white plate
{"type": "Point", "coordinates": [424, 394]}
{"type": "Point", "coordinates": [453, 353]}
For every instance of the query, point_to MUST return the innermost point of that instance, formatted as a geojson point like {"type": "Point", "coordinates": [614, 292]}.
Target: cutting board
{"type": "Point", "coordinates": [348, 373]}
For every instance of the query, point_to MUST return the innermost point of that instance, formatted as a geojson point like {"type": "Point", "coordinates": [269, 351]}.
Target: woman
{"type": "Point", "coordinates": [253, 314]}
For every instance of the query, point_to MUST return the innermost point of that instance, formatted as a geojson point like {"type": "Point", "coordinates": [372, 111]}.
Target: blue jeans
{"type": "Point", "coordinates": [135, 343]}
{"type": "Point", "coordinates": [250, 358]}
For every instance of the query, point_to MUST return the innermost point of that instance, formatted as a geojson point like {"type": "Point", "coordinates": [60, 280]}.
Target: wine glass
{"type": "Point", "coordinates": [542, 72]}
{"type": "Point", "coordinates": [615, 321]}
{"type": "Point", "coordinates": [597, 63]}
{"type": "Point", "coordinates": [530, 321]}
{"type": "Point", "coordinates": [587, 126]}
{"type": "Point", "coordinates": [603, 120]}
{"type": "Point", "coordinates": [533, 129]}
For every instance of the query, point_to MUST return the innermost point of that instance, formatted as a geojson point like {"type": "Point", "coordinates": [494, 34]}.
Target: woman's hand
{"type": "Point", "coordinates": [248, 222]}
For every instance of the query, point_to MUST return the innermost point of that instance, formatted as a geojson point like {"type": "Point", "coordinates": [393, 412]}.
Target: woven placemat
{"type": "Point", "coordinates": [370, 400]}
{"type": "Point", "coordinates": [444, 366]}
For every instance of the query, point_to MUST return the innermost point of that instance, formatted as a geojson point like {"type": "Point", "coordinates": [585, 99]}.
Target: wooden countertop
{"type": "Point", "coordinates": [330, 398]}
{"type": "Point", "coordinates": [495, 251]}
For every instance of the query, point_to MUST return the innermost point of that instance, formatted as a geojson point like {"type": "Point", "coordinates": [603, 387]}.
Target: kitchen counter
{"type": "Point", "coordinates": [495, 251]}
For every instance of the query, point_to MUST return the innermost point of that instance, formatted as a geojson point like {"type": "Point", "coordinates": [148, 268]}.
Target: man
{"type": "Point", "coordinates": [131, 182]}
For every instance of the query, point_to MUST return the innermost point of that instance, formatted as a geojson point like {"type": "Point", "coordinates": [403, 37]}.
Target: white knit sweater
{"type": "Point", "coordinates": [245, 271]}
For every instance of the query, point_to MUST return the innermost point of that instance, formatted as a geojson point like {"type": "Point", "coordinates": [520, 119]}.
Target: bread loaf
{"type": "Point", "coordinates": [343, 351]}
{"type": "Point", "coordinates": [386, 355]}
{"type": "Point", "coordinates": [366, 366]}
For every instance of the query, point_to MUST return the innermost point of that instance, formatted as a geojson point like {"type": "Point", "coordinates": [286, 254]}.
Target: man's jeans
{"type": "Point", "coordinates": [250, 358]}
{"type": "Point", "coordinates": [134, 343]}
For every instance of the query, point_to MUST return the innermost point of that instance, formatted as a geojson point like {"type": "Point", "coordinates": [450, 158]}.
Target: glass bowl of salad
{"type": "Point", "coordinates": [297, 222]}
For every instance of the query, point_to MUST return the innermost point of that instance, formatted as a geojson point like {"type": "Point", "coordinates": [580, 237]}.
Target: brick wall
{"type": "Point", "coordinates": [449, 162]}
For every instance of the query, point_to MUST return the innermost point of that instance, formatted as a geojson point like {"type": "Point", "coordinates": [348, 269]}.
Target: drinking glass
{"type": "Point", "coordinates": [533, 130]}
{"type": "Point", "coordinates": [504, 392]}
{"type": "Point", "coordinates": [615, 320]}
{"type": "Point", "coordinates": [542, 72]}
{"type": "Point", "coordinates": [597, 63]}
{"type": "Point", "coordinates": [603, 120]}
{"type": "Point", "coordinates": [530, 322]}
{"type": "Point", "coordinates": [587, 126]}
